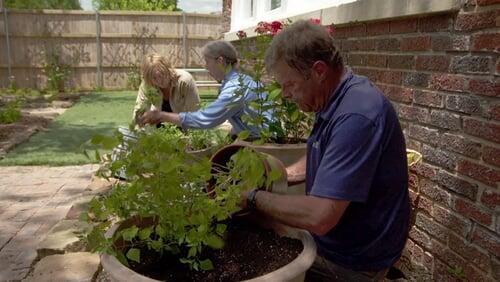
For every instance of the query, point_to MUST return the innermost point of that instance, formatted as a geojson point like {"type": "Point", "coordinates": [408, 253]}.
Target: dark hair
{"type": "Point", "coordinates": [302, 44]}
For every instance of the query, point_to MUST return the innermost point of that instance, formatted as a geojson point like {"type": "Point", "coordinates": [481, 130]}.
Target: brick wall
{"type": "Point", "coordinates": [442, 73]}
{"type": "Point", "coordinates": [226, 15]}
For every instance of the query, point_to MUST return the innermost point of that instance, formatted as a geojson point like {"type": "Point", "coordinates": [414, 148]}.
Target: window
{"type": "Point", "coordinates": [275, 4]}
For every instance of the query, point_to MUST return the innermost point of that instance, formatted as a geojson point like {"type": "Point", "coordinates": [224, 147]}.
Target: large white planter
{"type": "Point", "coordinates": [294, 271]}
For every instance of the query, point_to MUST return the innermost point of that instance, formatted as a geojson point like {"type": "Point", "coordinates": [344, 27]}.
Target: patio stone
{"type": "Point", "coordinates": [81, 266]}
{"type": "Point", "coordinates": [80, 205]}
{"type": "Point", "coordinates": [63, 237]}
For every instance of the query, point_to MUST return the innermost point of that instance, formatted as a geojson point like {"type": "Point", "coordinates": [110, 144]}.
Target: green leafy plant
{"type": "Point", "coordinates": [11, 112]}
{"type": "Point", "coordinates": [288, 123]}
{"type": "Point", "coordinates": [56, 72]}
{"type": "Point", "coordinates": [167, 193]}
{"type": "Point", "coordinates": [136, 5]}
{"type": "Point", "coordinates": [134, 77]}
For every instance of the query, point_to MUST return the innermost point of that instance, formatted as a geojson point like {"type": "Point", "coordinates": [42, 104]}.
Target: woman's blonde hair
{"type": "Point", "coordinates": [155, 63]}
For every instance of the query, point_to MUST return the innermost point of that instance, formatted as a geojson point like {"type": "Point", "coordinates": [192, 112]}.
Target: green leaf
{"type": "Point", "coordinates": [134, 254]}
{"type": "Point", "coordinates": [145, 233]}
{"type": "Point", "coordinates": [215, 242]}
{"type": "Point", "coordinates": [192, 252]}
{"type": "Point", "coordinates": [121, 258]}
{"type": "Point", "coordinates": [220, 229]}
{"type": "Point", "coordinates": [129, 233]}
{"type": "Point", "coordinates": [274, 94]}
{"type": "Point", "coordinates": [206, 265]}
{"type": "Point", "coordinates": [244, 134]}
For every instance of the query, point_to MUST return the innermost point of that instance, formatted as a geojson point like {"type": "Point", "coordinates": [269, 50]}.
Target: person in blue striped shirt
{"type": "Point", "coordinates": [235, 93]}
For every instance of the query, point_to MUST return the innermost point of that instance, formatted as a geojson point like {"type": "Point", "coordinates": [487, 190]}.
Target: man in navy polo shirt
{"type": "Point", "coordinates": [356, 204]}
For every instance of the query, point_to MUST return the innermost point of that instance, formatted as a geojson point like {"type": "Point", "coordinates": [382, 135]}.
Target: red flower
{"type": "Point", "coordinates": [263, 27]}
{"type": "Point", "coordinates": [241, 34]}
{"type": "Point", "coordinates": [315, 21]}
{"type": "Point", "coordinates": [276, 27]}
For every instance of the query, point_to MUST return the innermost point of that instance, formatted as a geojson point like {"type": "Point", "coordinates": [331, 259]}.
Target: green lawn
{"type": "Point", "coordinates": [61, 144]}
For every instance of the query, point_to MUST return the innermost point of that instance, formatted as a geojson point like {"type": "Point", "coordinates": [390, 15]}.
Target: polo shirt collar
{"type": "Point", "coordinates": [331, 105]}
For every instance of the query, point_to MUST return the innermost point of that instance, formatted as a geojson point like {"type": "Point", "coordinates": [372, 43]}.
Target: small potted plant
{"type": "Point", "coordinates": [165, 217]}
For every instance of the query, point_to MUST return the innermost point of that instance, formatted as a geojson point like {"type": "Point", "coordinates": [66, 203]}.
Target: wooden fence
{"type": "Point", "coordinates": [100, 48]}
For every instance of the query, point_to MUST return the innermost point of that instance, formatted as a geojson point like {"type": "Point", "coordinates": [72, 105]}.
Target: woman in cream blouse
{"type": "Point", "coordinates": [164, 88]}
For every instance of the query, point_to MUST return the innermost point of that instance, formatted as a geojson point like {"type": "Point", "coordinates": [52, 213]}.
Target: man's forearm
{"type": "Point", "coordinates": [317, 215]}
{"type": "Point", "coordinates": [296, 173]}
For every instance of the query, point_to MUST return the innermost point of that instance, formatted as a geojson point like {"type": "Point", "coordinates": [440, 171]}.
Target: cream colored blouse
{"type": "Point", "coordinates": [184, 96]}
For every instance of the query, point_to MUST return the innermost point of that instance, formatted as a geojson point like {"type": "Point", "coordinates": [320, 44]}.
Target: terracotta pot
{"type": "Point", "coordinates": [294, 271]}
{"type": "Point", "coordinates": [222, 156]}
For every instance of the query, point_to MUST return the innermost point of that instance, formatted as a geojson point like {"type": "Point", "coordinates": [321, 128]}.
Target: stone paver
{"type": "Point", "coordinates": [32, 200]}
{"type": "Point", "coordinates": [64, 236]}
{"type": "Point", "coordinates": [79, 266]}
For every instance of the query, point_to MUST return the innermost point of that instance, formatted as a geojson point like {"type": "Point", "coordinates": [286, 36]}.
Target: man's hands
{"type": "Point", "coordinates": [152, 117]}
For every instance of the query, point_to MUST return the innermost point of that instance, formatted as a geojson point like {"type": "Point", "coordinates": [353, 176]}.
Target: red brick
{"type": "Point", "coordinates": [424, 134]}
{"type": "Point", "coordinates": [487, 240]}
{"type": "Point", "coordinates": [414, 198]}
{"type": "Point", "coordinates": [433, 63]}
{"type": "Point", "coordinates": [418, 79]}
{"type": "Point", "coordinates": [445, 119]}
{"type": "Point", "coordinates": [463, 103]}
{"type": "Point", "coordinates": [448, 256]}
{"type": "Point", "coordinates": [439, 157]}
{"type": "Point", "coordinates": [474, 274]}
{"type": "Point", "coordinates": [355, 59]}
{"type": "Point", "coordinates": [420, 237]}
{"type": "Point", "coordinates": [487, 2]}
{"type": "Point", "coordinates": [428, 261]}
{"type": "Point", "coordinates": [359, 45]}
{"type": "Point", "coordinates": [435, 23]}
{"type": "Point", "coordinates": [428, 98]}
{"type": "Point", "coordinates": [401, 62]}
{"type": "Point", "coordinates": [442, 272]}
{"type": "Point", "coordinates": [491, 155]}
{"type": "Point", "coordinates": [474, 212]}
{"type": "Point", "coordinates": [448, 82]}
{"type": "Point", "coordinates": [375, 60]}
{"type": "Point", "coordinates": [456, 223]}
{"type": "Point", "coordinates": [498, 66]}
{"type": "Point", "coordinates": [494, 111]}
{"type": "Point", "coordinates": [388, 44]}
{"type": "Point", "coordinates": [434, 192]}
{"type": "Point", "coordinates": [356, 30]}
{"type": "Point", "coordinates": [403, 26]}
{"type": "Point", "coordinates": [486, 42]}
{"type": "Point", "coordinates": [467, 250]}
{"type": "Point", "coordinates": [485, 130]}
{"type": "Point", "coordinates": [471, 64]}
{"type": "Point", "coordinates": [473, 21]}
{"type": "Point", "coordinates": [459, 144]}
{"type": "Point", "coordinates": [370, 73]}
{"type": "Point", "coordinates": [416, 43]}
{"type": "Point", "coordinates": [389, 77]}
{"type": "Point", "coordinates": [479, 172]}
{"type": "Point", "coordinates": [425, 170]}
{"type": "Point", "coordinates": [486, 87]}
{"type": "Point", "coordinates": [450, 42]}
{"type": "Point", "coordinates": [431, 227]}
{"type": "Point", "coordinates": [425, 204]}
{"type": "Point", "coordinates": [377, 28]}
{"type": "Point", "coordinates": [490, 199]}
{"type": "Point", "coordinates": [413, 113]}
{"type": "Point", "coordinates": [396, 93]}
{"type": "Point", "coordinates": [457, 184]}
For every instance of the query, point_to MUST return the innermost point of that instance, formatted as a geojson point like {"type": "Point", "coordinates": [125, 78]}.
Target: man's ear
{"type": "Point", "coordinates": [319, 70]}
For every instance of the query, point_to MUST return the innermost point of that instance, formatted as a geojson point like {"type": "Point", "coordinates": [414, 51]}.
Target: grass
{"type": "Point", "coordinates": [61, 144]}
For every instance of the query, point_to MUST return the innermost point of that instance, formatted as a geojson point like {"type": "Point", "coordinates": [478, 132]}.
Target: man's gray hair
{"type": "Point", "coordinates": [221, 48]}
{"type": "Point", "coordinates": [302, 44]}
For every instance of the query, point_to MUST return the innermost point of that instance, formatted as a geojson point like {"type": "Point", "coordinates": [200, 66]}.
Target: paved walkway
{"type": "Point", "coordinates": [32, 200]}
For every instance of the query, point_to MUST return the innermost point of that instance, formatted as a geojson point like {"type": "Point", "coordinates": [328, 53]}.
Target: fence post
{"type": "Point", "coordinates": [184, 39]}
{"type": "Point", "coordinates": [98, 49]}
{"type": "Point", "coordinates": [7, 40]}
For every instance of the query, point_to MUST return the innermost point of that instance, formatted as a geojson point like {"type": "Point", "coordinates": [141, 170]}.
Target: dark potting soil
{"type": "Point", "coordinates": [250, 251]}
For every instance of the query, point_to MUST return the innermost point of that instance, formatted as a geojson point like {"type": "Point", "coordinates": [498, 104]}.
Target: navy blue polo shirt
{"type": "Point", "coordinates": [356, 152]}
